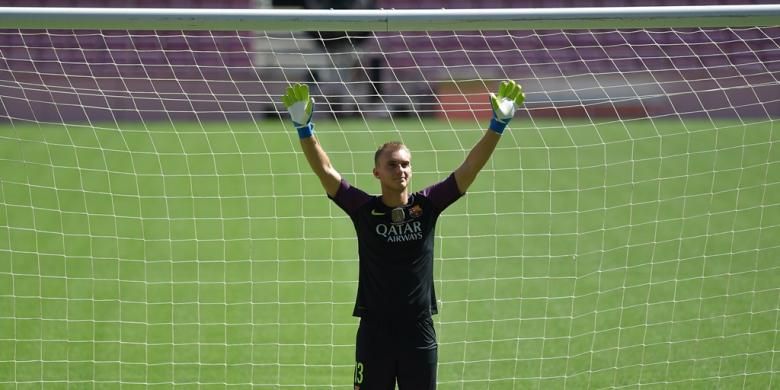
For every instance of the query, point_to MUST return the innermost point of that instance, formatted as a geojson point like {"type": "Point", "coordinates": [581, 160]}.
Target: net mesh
{"type": "Point", "coordinates": [159, 225]}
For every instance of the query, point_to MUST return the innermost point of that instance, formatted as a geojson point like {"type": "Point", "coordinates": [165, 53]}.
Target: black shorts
{"type": "Point", "coordinates": [390, 350]}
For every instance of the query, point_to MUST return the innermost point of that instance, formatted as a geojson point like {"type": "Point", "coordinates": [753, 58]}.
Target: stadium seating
{"type": "Point", "coordinates": [417, 59]}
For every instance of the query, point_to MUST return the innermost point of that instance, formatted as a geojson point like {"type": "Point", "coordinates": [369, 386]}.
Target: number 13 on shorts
{"type": "Point", "coordinates": [358, 375]}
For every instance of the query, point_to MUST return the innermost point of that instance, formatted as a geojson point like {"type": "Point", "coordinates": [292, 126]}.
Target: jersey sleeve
{"type": "Point", "coordinates": [349, 198]}
{"type": "Point", "coordinates": [443, 193]}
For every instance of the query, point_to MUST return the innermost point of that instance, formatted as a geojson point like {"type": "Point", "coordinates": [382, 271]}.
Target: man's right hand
{"type": "Point", "coordinates": [300, 106]}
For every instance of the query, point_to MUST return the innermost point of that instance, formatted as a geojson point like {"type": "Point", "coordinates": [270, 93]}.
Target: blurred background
{"type": "Point", "coordinates": [159, 225]}
{"type": "Point", "coordinates": [379, 74]}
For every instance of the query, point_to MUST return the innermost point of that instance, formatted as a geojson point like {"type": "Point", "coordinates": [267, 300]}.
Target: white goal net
{"type": "Point", "coordinates": [159, 225]}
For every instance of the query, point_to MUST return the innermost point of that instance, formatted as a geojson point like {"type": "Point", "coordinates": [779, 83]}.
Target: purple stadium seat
{"type": "Point", "coordinates": [91, 41]}
{"type": "Point", "coordinates": [11, 38]}
{"type": "Point", "coordinates": [32, 40]}
{"type": "Point", "coordinates": [399, 4]}
{"type": "Point", "coordinates": [179, 57]}
{"type": "Point", "coordinates": [181, 4]}
{"type": "Point", "coordinates": [62, 40]}
{"type": "Point", "coordinates": [42, 54]}
{"type": "Point", "coordinates": [120, 56]}
{"type": "Point", "coordinates": [208, 58]}
{"type": "Point", "coordinates": [58, 3]}
{"type": "Point", "coordinates": [174, 42]}
{"type": "Point", "coordinates": [91, 3]}
{"type": "Point", "coordinates": [547, 4]}
{"type": "Point", "coordinates": [70, 56]}
{"type": "Point", "coordinates": [553, 41]}
{"type": "Point", "coordinates": [237, 59]}
{"type": "Point", "coordinates": [97, 56]}
{"type": "Point", "coordinates": [145, 42]}
{"type": "Point", "coordinates": [152, 57]}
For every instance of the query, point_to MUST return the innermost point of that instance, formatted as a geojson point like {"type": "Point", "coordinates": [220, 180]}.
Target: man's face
{"type": "Point", "coordinates": [394, 168]}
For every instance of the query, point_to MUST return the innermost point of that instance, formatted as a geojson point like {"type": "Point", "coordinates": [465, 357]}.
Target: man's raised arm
{"type": "Point", "coordinates": [510, 97]}
{"type": "Point", "coordinates": [301, 106]}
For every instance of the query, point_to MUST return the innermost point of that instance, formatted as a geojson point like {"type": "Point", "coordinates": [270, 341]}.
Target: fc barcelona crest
{"type": "Point", "coordinates": [398, 215]}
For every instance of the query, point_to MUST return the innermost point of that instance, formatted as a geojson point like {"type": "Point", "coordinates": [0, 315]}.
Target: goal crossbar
{"type": "Point", "coordinates": [388, 20]}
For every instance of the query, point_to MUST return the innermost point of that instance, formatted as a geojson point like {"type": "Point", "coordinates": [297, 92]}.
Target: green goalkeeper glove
{"type": "Point", "coordinates": [510, 97]}
{"type": "Point", "coordinates": [300, 106]}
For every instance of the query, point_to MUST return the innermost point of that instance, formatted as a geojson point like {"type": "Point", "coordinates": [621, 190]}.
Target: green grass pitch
{"type": "Point", "coordinates": [639, 252]}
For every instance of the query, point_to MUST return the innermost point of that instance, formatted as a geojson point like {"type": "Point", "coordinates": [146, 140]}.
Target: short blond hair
{"type": "Point", "coordinates": [392, 145]}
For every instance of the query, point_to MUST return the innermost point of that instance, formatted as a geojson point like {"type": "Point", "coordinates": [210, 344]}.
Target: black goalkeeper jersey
{"type": "Point", "coordinates": [395, 247]}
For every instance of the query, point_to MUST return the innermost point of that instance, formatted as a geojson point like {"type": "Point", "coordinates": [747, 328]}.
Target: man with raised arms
{"type": "Point", "coordinates": [396, 341]}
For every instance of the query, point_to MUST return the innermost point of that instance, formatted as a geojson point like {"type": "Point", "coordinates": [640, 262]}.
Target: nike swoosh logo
{"type": "Point", "coordinates": [374, 212]}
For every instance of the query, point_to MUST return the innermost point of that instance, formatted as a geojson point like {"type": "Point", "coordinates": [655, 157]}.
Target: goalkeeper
{"type": "Point", "coordinates": [395, 232]}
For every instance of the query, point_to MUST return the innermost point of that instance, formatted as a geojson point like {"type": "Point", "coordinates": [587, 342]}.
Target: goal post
{"type": "Point", "coordinates": [159, 226]}
{"type": "Point", "coordinates": [388, 20]}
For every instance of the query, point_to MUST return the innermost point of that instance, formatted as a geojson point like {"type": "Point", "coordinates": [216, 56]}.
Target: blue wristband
{"type": "Point", "coordinates": [305, 131]}
{"type": "Point", "coordinates": [497, 126]}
